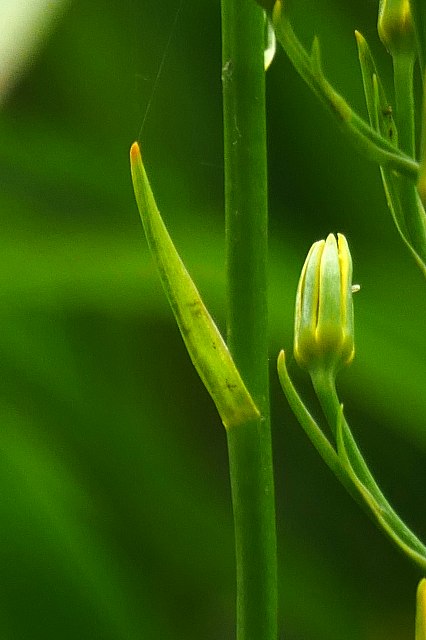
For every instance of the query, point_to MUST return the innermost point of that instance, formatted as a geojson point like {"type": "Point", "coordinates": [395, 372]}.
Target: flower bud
{"type": "Point", "coordinates": [421, 611]}
{"type": "Point", "coordinates": [395, 26]}
{"type": "Point", "coordinates": [323, 333]}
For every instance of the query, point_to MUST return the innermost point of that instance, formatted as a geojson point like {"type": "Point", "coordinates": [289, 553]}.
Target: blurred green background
{"type": "Point", "coordinates": [115, 513]}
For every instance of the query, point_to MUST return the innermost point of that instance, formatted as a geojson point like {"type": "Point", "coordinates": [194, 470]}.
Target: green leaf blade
{"type": "Point", "coordinates": [204, 343]}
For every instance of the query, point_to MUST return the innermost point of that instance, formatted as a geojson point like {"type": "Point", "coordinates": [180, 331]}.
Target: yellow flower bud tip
{"type": "Point", "coordinates": [395, 26]}
{"type": "Point", "coordinates": [135, 151]}
{"type": "Point", "coordinates": [276, 12]}
{"type": "Point", "coordinates": [421, 611]}
{"type": "Point", "coordinates": [323, 334]}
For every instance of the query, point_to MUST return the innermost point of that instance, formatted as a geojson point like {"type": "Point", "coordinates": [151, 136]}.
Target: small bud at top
{"type": "Point", "coordinates": [421, 611]}
{"type": "Point", "coordinates": [323, 334]}
{"type": "Point", "coordinates": [395, 26]}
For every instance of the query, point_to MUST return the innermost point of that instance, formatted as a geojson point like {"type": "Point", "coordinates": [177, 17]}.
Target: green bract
{"type": "Point", "coordinates": [395, 26]}
{"type": "Point", "coordinates": [323, 333]}
{"type": "Point", "coordinates": [206, 347]}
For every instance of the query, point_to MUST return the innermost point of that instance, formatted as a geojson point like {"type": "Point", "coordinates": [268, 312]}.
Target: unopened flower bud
{"type": "Point", "coordinates": [421, 611]}
{"type": "Point", "coordinates": [323, 333]}
{"type": "Point", "coordinates": [395, 26]}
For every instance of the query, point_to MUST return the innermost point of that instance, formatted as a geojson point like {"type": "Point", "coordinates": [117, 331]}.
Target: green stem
{"type": "Point", "coordinates": [250, 453]}
{"type": "Point", "coordinates": [325, 389]}
{"type": "Point", "coordinates": [311, 428]}
{"type": "Point", "coordinates": [403, 68]}
{"type": "Point", "coordinates": [377, 505]}
{"type": "Point", "coordinates": [418, 10]}
{"type": "Point", "coordinates": [255, 544]}
{"type": "Point", "coordinates": [414, 215]}
{"type": "Point", "coordinates": [369, 141]}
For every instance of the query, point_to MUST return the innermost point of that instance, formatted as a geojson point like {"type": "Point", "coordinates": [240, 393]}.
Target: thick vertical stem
{"type": "Point", "coordinates": [245, 189]}
{"type": "Point", "coordinates": [255, 544]}
{"type": "Point", "coordinates": [250, 455]}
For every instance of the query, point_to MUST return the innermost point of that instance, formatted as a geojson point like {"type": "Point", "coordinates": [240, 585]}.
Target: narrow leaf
{"type": "Point", "coordinates": [310, 427]}
{"type": "Point", "coordinates": [380, 114]}
{"type": "Point", "coordinates": [399, 192]}
{"type": "Point", "coordinates": [372, 497]}
{"type": "Point", "coordinates": [205, 345]}
{"type": "Point", "coordinates": [368, 141]}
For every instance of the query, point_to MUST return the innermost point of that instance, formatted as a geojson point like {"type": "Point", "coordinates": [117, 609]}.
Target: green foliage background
{"type": "Point", "coordinates": [115, 508]}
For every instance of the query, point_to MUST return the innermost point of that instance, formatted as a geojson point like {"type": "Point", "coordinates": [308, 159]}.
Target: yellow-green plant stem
{"type": "Point", "coordinates": [418, 10]}
{"type": "Point", "coordinates": [403, 67]}
{"type": "Point", "coordinates": [374, 500]}
{"type": "Point", "coordinates": [415, 221]}
{"type": "Point", "coordinates": [255, 545]}
{"type": "Point", "coordinates": [249, 445]}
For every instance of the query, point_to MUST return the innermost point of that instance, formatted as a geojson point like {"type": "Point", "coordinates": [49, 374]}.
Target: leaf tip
{"type": "Point", "coordinates": [135, 152]}
{"type": "Point", "coordinates": [360, 41]}
{"type": "Point", "coordinates": [277, 11]}
{"type": "Point", "coordinates": [281, 360]}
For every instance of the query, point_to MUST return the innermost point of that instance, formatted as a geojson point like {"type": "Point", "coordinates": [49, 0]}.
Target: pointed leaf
{"type": "Point", "coordinates": [205, 345]}
{"type": "Point", "coordinates": [369, 142]}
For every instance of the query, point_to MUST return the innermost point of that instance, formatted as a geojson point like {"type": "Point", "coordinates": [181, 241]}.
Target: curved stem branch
{"type": "Point", "coordinates": [372, 497]}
